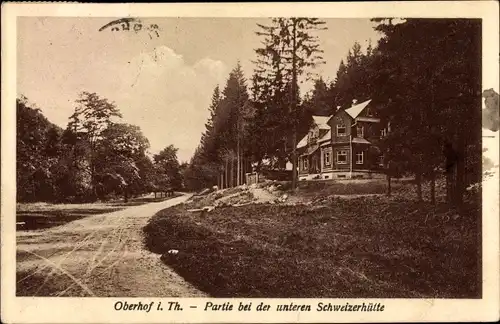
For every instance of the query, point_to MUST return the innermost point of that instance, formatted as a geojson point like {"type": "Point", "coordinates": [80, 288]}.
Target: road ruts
{"type": "Point", "coordinates": [101, 255]}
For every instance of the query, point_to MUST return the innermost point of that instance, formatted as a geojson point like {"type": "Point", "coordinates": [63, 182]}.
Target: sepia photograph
{"type": "Point", "coordinates": [252, 157]}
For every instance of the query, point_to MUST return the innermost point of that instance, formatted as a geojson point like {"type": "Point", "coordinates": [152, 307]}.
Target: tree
{"type": "Point", "coordinates": [121, 162]}
{"type": "Point", "coordinates": [91, 118]}
{"type": "Point", "coordinates": [302, 53]}
{"type": "Point", "coordinates": [231, 124]}
{"type": "Point", "coordinates": [168, 168]}
{"type": "Point", "coordinates": [290, 50]}
{"type": "Point", "coordinates": [38, 145]}
{"type": "Point", "coordinates": [433, 95]}
{"type": "Point", "coordinates": [208, 140]}
{"type": "Point", "coordinates": [321, 101]}
{"type": "Point", "coordinates": [354, 79]}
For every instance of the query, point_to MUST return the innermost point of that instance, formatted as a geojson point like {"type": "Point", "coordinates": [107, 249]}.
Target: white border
{"type": "Point", "coordinates": [100, 310]}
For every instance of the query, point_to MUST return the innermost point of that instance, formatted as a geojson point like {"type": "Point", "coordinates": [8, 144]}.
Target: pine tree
{"type": "Point", "coordinates": [433, 96]}
{"type": "Point", "coordinates": [233, 105]}
{"type": "Point", "coordinates": [290, 50]}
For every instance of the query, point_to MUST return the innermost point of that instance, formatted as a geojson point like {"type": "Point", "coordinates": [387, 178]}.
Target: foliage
{"type": "Point", "coordinates": [290, 50]}
{"type": "Point", "coordinates": [422, 82]}
{"type": "Point", "coordinates": [225, 144]}
{"type": "Point", "coordinates": [433, 95]}
{"type": "Point", "coordinates": [38, 147]}
{"type": "Point", "coordinates": [93, 158]}
{"type": "Point", "coordinates": [167, 168]}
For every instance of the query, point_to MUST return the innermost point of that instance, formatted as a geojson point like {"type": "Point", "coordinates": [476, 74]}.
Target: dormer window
{"type": "Point", "coordinates": [360, 131]}
{"type": "Point", "coordinates": [341, 130]}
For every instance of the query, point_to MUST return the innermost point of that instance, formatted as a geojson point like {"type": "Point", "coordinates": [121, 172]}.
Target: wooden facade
{"type": "Point", "coordinates": [343, 145]}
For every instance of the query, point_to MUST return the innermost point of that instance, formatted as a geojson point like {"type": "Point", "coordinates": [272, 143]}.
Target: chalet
{"type": "Point", "coordinates": [343, 145]}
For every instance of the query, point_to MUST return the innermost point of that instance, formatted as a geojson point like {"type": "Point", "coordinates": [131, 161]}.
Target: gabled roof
{"type": "Point", "coordinates": [360, 140]}
{"type": "Point", "coordinates": [322, 121]}
{"type": "Point", "coordinates": [354, 111]}
{"type": "Point", "coordinates": [327, 136]}
{"type": "Point", "coordinates": [303, 142]}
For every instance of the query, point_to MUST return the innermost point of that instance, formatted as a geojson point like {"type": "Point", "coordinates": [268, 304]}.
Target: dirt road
{"type": "Point", "coordinates": [102, 256]}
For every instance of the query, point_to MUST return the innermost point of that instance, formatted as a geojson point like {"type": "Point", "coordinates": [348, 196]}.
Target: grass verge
{"type": "Point", "coordinates": [368, 247]}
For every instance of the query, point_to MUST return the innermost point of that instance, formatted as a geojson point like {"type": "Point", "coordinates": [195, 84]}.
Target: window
{"type": "Point", "coordinates": [305, 163]}
{"type": "Point", "coordinates": [360, 131]}
{"type": "Point", "coordinates": [383, 133]}
{"type": "Point", "coordinates": [341, 157]}
{"type": "Point", "coordinates": [359, 158]}
{"type": "Point", "coordinates": [381, 160]}
{"type": "Point", "coordinates": [326, 158]}
{"type": "Point", "coordinates": [340, 129]}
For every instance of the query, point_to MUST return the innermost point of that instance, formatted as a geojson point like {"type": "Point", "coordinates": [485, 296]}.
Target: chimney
{"type": "Point", "coordinates": [354, 102]}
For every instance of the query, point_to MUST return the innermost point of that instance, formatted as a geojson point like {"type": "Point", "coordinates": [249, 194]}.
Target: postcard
{"type": "Point", "coordinates": [250, 162]}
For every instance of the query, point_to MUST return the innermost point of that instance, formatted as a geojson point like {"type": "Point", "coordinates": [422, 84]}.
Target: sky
{"type": "Point", "coordinates": [161, 83]}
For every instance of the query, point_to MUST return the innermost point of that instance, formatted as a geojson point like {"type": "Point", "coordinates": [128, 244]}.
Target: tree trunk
{"type": "Point", "coordinates": [238, 171]}
{"type": "Point", "coordinates": [433, 187]}
{"type": "Point", "coordinates": [125, 194]}
{"type": "Point", "coordinates": [231, 179]}
{"type": "Point", "coordinates": [242, 170]}
{"type": "Point", "coordinates": [226, 171]}
{"type": "Point", "coordinates": [450, 176]}
{"type": "Point", "coordinates": [460, 176]}
{"type": "Point", "coordinates": [418, 179]}
{"type": "Point", "coordinates": [388, 184]}
{"type": "Point", "coordinates": [448, 187]}
{"type": "Point", "coordinates": [294, 105]}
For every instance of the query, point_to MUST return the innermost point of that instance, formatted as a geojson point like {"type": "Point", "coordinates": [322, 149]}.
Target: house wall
{"type": "Point", "coordinates": [301, 167]}
{"type": "Point", "coordinates": [327, 164]}
{"type": "Point", "coordinates": [315, 162]}
{"type": "Point", "coordinates": [358, 148]}
{"type": "Point", "coordinates": [371, 131]}
{"type": "Point", "coordinates": [341, 166]}
{"type": "Point", "coordinates": [341, 118]}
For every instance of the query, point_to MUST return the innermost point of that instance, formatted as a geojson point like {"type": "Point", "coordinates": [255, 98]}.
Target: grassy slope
{"type": "Point", "coordinates": [362, 247]}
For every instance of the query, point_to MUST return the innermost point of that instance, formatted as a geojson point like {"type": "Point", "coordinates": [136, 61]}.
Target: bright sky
{"type": "Point", "coordinates": [162, 84]}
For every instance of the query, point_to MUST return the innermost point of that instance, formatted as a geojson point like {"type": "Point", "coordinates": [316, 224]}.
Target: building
{"type": "Point", "coordinates": [343, 145]}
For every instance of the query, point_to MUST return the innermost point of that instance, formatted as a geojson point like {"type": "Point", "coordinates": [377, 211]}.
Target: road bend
{"type": "Point", "coordinates": [100, 255]}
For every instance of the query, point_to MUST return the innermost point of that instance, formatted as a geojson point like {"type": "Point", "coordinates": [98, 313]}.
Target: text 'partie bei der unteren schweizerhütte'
{"type": "Point", "coordinates": [211, 306]}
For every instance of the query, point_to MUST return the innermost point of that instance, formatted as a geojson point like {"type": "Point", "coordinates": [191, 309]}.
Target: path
{"type": "Point", "coordinates": [101, 255]}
